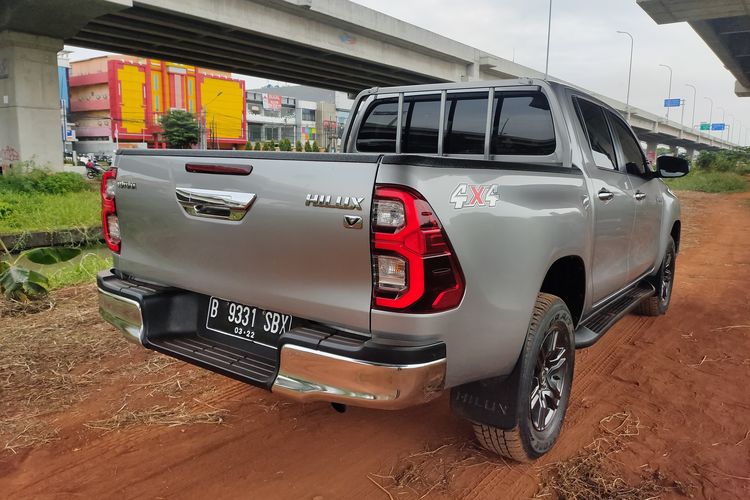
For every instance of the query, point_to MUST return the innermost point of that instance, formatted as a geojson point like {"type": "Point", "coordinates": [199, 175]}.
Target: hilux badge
{"type": "Point", "coordinates": [329, 201]}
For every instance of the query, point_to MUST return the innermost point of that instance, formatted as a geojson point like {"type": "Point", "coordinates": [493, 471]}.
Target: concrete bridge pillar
{"type": "Point", "coordinates": [651, 151]}
{"type": "Point", "coordinates": [30, 122]}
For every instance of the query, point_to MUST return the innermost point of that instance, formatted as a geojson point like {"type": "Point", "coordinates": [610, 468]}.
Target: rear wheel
{"type": "Point", "coordinates": [658, 303]}
{"type": "Point", "coordinates": [546, 376]}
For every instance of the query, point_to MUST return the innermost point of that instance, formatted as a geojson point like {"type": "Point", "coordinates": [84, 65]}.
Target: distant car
{"type": "Point", "coordinates": [471, 236]}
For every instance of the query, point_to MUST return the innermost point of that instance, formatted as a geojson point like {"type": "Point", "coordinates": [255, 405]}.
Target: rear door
{"type": "Point", "coordinates": [613, 205]}
{"type": "Point", "coordinates": [302, 247]}
{"type": "Point", "coordinates": [644, 242]}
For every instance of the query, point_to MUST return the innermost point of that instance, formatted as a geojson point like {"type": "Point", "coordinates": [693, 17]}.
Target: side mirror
{"type": "Point", "coordinates": [671, 167]}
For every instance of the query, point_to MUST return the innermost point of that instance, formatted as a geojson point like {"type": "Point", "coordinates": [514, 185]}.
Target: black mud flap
{"type": "Point", "coordinates": [492, 401]}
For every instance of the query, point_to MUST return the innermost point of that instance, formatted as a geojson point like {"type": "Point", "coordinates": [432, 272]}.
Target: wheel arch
{"type": "Point", "coordinates": [566, 278]}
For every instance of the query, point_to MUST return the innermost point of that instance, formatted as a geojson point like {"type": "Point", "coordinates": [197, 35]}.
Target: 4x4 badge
{"type": "Point", "coordinates": [472, 195]}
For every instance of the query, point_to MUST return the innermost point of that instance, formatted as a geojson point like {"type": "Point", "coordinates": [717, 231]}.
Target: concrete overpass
{"type": "Point", "coordinates": [334, 44]}
{"type": "Point", "coordinates": [723, 24]}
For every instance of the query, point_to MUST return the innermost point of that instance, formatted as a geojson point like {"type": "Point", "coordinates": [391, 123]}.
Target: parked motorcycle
{"type": "Point", "coordinates": [93, 171]}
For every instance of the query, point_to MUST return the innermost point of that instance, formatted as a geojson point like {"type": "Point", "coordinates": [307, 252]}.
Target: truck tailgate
{"type": "Point", "coordinates": [285, 254]}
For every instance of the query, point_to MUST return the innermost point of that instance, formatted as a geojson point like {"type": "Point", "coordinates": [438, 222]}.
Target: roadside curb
{"type": "Point", "coordinates": [35, 239]}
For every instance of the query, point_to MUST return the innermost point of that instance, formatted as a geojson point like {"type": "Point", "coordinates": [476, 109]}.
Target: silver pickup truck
{"type": "Point", "coordinates": [470, 237]}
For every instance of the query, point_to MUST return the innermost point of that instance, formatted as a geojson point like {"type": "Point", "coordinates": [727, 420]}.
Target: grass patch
{"type": "Point", "coordinates": [710, 182]}
{"type": "Point", "coordinates": [161, 415]}
{"type": "Point", "coordinates": [82, 270]}
{"type": "Point", "coordinates": [25, 212]}
{"type": "Point", "coordinates": [596, 473]}
{"type": "Point", "coordinates": [49, 361]}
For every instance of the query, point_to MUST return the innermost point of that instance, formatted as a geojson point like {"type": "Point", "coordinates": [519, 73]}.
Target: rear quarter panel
{"type": "Point", "coordinates": [504, 252]}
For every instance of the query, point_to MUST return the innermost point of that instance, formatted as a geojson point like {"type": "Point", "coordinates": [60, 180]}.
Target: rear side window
{"type": "Point", "coordinates": [466, 122]}
{"type": "Point", "coordinates": [421, 116]}
{"type": "Point", "coordinates": [600, 140]}
{"type": "Point", "coordinates": [378, 130]}
{"type": "Point", "coordinates": [522, 125]}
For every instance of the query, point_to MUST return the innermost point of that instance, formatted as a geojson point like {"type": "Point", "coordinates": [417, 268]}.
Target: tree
{"type": "Point", "coordinates": [180, 129]}
{"type": "Point", "coordinates": [298, 146]}
{"type": "Point", "coordinates": [257, 146]}
{"type": "Point", "coordinates": [308, 148]}
{"type": "Point", "coordinates": [315, 147]}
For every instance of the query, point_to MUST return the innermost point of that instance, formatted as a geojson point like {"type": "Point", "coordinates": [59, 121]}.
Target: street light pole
{"type": "Point", "coordinates": [710, 116]}
{"type": "Point", "coordinates": [669, 91]}
{"type": "Point", "coordinates": [730, 132]}
{"type": "Point", "coordinates": [695, 96]}
{"type": "Point", "coordinates": [739, 133]}
{"type": "Point", "coordinates": [630, 73]}
{"type": "Point", "coordinates": [549, 30]}
{"type": "Point", "coordinates": [723, 116]}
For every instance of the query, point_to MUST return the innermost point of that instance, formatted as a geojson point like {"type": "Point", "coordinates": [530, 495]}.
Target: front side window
{"type": "Point", "coordinates": [522, 124]}
{"type": "Point", "coordinates": [378, 130]}
{"type": "Point", "coordinates": [465, 123]}
{"type": "Point", "coordinates": [631, 150]}
{"type": "Point", "coordinates": [595, 124]}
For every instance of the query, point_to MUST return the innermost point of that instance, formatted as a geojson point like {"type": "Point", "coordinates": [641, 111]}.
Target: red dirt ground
{"type": "Point", "coordinates": [683, 375]}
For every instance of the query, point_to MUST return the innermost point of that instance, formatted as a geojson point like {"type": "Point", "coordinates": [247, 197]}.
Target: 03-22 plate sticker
{"type": "Point", "coordinates": [475, 195]}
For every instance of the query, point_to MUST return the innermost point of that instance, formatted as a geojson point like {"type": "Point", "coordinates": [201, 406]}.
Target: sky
{"type": "Point", "coordinates": [585, 49]}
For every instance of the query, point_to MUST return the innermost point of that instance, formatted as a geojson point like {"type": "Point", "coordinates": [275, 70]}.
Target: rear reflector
{"type": "Point", "coordinates": [218, 169]}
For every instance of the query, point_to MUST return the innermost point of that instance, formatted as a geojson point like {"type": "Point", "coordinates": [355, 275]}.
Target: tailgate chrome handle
{"type": "Point", "coordinates": [214, 204]}
{"type": "Point", "coordinates": [640, 195]}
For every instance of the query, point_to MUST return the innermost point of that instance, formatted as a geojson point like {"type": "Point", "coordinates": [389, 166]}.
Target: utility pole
{"type": "Point", "coordinates": [630, 73]}
{"type": "Point", "coordinates": [549, 30]}
{"type": "Point", "coordinates": [203, 130]}
{"type": "Point", "coordinates": [669, 91]}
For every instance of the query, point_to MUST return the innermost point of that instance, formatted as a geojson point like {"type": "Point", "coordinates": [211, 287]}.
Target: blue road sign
{"type": "Point", "coordinates": [672, 103]}
{"type": "Point", "coordinates": [718, 126]}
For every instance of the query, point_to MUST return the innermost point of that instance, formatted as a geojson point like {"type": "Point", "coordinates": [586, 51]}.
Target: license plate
{"type": "Point", "coordinates": [247, 322]}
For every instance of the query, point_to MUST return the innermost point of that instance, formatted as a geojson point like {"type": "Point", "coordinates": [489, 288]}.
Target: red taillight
{"type": "Point", "coordinates": [110, 221]}
{"type": "Point", "coordinates": [415, 269]}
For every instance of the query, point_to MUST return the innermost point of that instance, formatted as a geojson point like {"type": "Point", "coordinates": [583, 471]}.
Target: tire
{"type": "Point", "coordinates": [658, 304]}
{"type": "Point", "coordinates": [549, 343]}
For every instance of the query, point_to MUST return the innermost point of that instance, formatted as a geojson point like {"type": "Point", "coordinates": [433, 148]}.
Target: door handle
{"type": "Point", "coordinates": [214, 204]}
{"type": "Point", "coordinates": [639, 195]}
{"type": "Point", "coordinates": [605, 194]}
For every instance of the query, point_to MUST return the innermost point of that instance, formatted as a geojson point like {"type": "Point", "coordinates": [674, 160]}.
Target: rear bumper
{"type": "Point", "coordinates": [309, 375]}
{"type": "Point", "coordinates": [310, 364]}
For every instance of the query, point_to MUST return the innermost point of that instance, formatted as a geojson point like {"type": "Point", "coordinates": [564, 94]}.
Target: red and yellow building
{"type": "Point", "coordinates": [117, 98]}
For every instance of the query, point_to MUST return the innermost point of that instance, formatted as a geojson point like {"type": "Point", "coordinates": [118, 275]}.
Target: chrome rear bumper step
{"type": "Point", "coordinates": [311, 363]}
